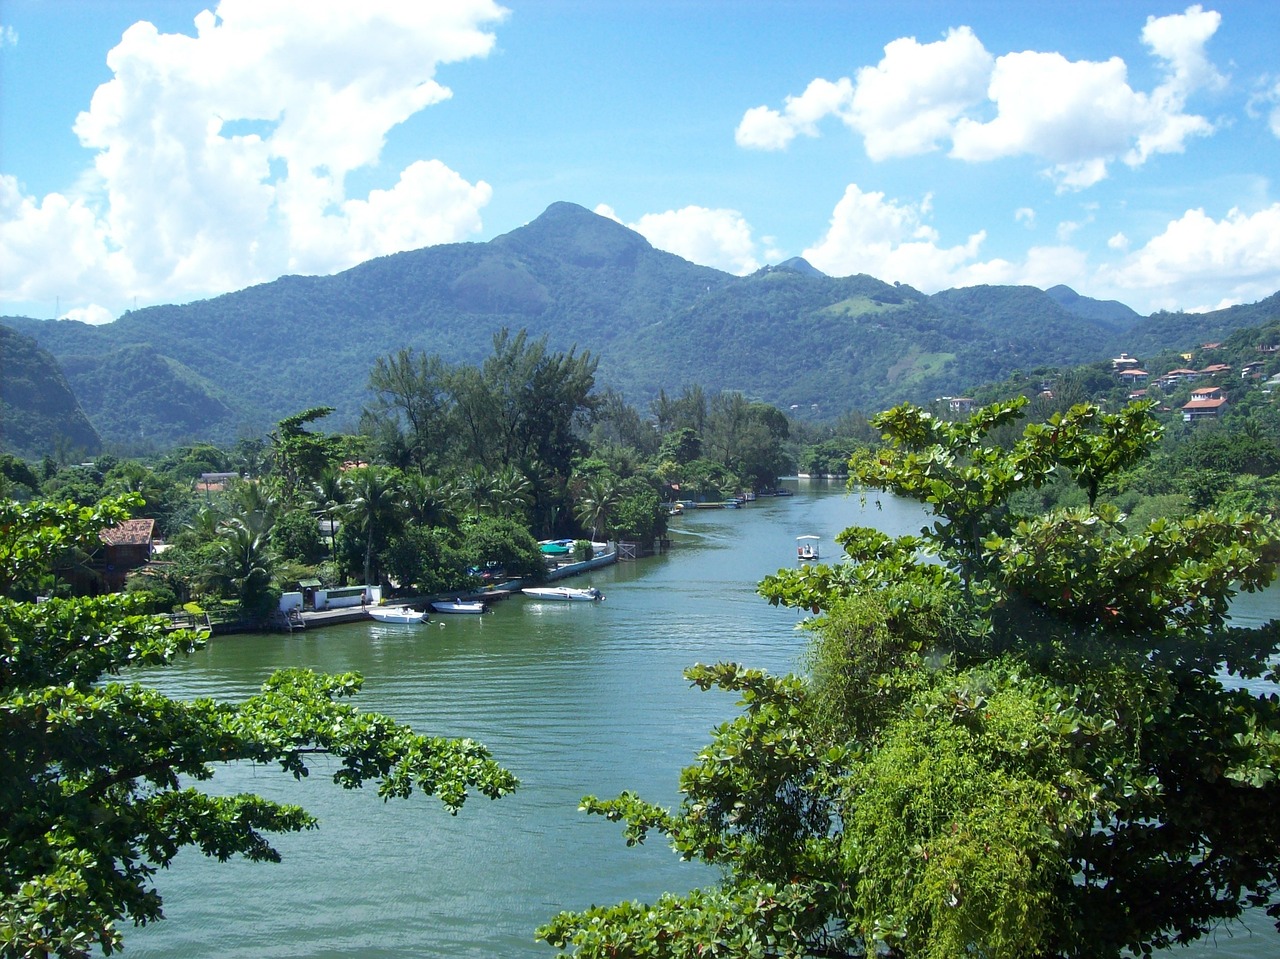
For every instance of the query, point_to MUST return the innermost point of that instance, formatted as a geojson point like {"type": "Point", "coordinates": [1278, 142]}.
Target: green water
{"type": "Point", "coordinates": [575, 698]}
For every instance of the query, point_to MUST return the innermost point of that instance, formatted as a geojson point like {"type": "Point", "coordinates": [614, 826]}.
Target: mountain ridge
{"type": "Point", "coordinates": [787, 335]}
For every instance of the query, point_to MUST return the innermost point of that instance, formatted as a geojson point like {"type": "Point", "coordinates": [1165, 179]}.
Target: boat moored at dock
{"type": "Point", "coordinates": [405, 615]}
{"type": "Point", "coordinates": [564, 594]}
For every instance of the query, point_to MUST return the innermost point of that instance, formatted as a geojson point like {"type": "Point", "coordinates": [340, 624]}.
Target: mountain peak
{"type": "Point", "coordinates": [798, 264]}
{"type": "Point", "coordinates": [574, 232]}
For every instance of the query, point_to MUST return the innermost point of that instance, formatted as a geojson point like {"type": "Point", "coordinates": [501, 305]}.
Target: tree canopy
{"type": "Point", "coordinates": [1019, 735]}
{"type": "Point", "coordinates": [102, 775]}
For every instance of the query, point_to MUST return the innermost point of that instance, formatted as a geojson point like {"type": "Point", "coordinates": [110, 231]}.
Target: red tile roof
{"type": "Point", "coordinates": [132, 532]}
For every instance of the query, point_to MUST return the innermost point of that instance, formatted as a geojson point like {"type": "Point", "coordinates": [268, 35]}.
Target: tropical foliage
{"type": "Point", "coordinates": [104, 778]}
{"type": "Point", "coordinates": [1022, 735]}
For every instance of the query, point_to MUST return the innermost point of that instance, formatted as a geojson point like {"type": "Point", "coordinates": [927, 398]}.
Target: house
{"type": "Point", "coordinates": [1124, 362]}
{"type": "Point", "coordinates": [960, 404]}
{"type": "Point", "coordinates": [1251, 371]}
{"type": "Point", "coordinates": [1174, 377]}
{"type": "Point", "coordinates": [125, 547]}
{"type": "Point", "coordinates": [1206, 403]}
{"type": "Point", "coordinates": [1216, 368]}
{"type": "Point", "coordinates": [1138, 395]}
{"type": "Point", "coordinates": [1133, 376]}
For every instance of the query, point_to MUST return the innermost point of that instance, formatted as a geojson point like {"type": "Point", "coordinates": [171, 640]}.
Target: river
{"type": "Point", "coordinates": [574, 698]}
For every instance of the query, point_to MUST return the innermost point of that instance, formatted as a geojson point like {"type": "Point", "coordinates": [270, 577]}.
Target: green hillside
{"type": "Point", "coordinates": [786, 335]}
{"type": "Point", "coordinates": [39, 414]}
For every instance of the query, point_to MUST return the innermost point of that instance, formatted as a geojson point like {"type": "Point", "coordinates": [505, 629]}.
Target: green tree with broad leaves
{"type": "Point", "coordinates": [102, 776]}
{"type": "Point", "coordinates": [1018, 736]}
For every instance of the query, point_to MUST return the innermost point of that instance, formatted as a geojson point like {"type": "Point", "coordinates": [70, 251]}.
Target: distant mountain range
{"type": "Point", "coordinates": [788, 334]}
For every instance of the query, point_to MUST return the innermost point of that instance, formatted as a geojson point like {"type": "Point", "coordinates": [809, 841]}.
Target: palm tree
{"type": "Point", "coordinates": [510, 493]}
{"type": "Point", "coordinates": [245, 566]}
{"type": "Point", "coordinates": [374, 500]}
{"type": "Point", "coordinates": [328, 498]}
{"type": "Point", "coordinates": [596, 501]}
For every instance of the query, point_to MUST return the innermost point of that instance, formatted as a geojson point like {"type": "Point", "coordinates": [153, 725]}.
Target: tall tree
{"type": "Point", "coordinates": [102, 778]}
{"type": "Point", "coordinates": [414, 390]}
{"type": "Point", "coordinates": [299, 456]}
{"type": "Point", "coordinates": [374, 502]}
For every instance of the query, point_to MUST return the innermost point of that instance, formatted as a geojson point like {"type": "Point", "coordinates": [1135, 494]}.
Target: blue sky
{"type": "Point", "coordinates": [161, 151]}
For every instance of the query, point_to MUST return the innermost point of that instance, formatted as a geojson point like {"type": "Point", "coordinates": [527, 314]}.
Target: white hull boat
{"type": "Point", "coordinates": [564, 594]}
{"type": "Point", "coordinates": [459, 606]}
{"type": "Point", "coordinates": [396, 614]}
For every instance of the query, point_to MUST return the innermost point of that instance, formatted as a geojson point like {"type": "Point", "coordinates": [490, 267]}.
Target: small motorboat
{"type": "Point", "coordinates": [397, 614]}
{"type": "Point", "coordinates": [564, 594]}
{"type": "Point", "coordinates": [459, 606]}
{"type": "Point", "coordinates": [806, 548]}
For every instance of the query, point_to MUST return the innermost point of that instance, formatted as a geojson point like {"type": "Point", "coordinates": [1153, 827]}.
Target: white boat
{"type": "Point", "coordinates": [459, 606]}
{"type": "Point", "coordinates": [806, 548]}
{"type": "Point", "coordinates": [396, 614]}
{"type": "Point", "coordinates": [564, 593]}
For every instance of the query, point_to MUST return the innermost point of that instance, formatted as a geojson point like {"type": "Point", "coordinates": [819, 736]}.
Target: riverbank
{"type": "Point", "coordinates": [316, 619]}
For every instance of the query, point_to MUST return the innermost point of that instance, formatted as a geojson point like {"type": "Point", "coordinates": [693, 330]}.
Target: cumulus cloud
{"type": "Point", "coordinates": [906, 104]}
{"type": "Point", "coordinates": [8, 36]}
{"type": "Point", "coordinates": [1197, 257]}
{"type": "Point", "coordinates": [888, 240]}
{"type": "Point", "coordinates": [223, 158]}
{"type": "Point", "coordinates": [893, 241]}
{"type": "Point", "coordinates": [93, 314]}
{"type": "Point", "coordinates": [1025, 215]}
{"type": "Point", "coordinates": [715, 238]}
{"type": "Point", "coordinates": [1078, 115]}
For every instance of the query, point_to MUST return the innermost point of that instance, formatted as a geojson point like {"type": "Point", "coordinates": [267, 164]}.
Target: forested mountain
{"type": "Point", "coordinates": [787, 335]}
{"type": "Point", "coordinates": [38, 412]}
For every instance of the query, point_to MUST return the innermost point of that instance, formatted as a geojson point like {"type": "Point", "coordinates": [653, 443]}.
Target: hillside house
{"type": "Point", "coordinates": [1174, 377]}
{"type": "Point", "coordinates": [1133, 377]}
{"type": "Point", "coordinates": [1216, 368]}
{"type": "Point", "coordinates": [1124, 362]}
{"type": "Point", "coordinates": [1206, 403]}
{"type": "Point", "coordinates": [960, 404]}
{"type": "Point", "coordinates": [125, 547]}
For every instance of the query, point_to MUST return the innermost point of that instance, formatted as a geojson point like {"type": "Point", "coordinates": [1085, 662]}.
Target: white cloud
{"type": "Point", "coordinates": [1078, 115]}
{"type": "Point", "coordinates": [888, 240]}
{"type": "Point", "coordinates": [904, 105]}
{"type": "Point", "coordinates": [1118, 241]}
{"type": "Point", "coordinates": [93, 314]}
{"type": "Point", "coordinates": [715, 238]}
{"type": "Point", "coordinates": [1180, 40]}
{"type": "Point", "coordinates": [1197, 258]}
{"type": "Point", "coordinates": [8, 36]}
{"type": "Point", "coordinates": [222, 159]}
{"type": "Point", "coordinates": [892, 241]}
{"type": "Point", "coordinates": [767, 129]}
{"type": "Point", "coordinates": [909, 102]}
{"type": "Point", "coordinates": [1024, 214]}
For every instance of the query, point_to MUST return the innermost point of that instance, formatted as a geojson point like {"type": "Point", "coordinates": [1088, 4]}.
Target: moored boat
{"type": "Point", "coordinates": [564, 593]}
{"type": "Point", "coordinates": [806, 548]}
{"type": "Point", "coordinates": [397, 614]}
{"type": "Point", "coordinates": [459, 606]}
